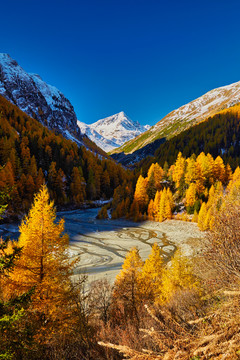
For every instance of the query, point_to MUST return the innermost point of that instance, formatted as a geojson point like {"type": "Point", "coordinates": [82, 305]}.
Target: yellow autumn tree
{"type": "Point", "coordinates": [211, 168]}
{"type": "Point", "coordinates": [236, 174]}
{"type": "Point", "coordinates": [179, 169]}
{"type": "Point", "coordinates": [156, 204]}
{"type": "Point", "coordinates": [200, 179]}
{"type": "Point", "coordinates": [158, 176]}
{"type": "Point", "coordinates": [228, 174]}
{"type": "Point", "coordinates": [152, 274]}
{"type": "Point", "coordinates": [206, 164]}
{"type": "Point", "coordinates": [165, 206]}
{"type": "Point", "coordinates": [211, 195]}
{"type": "Point", "coordinates": [169, 204]}
{"type": "Point", "coordinates": [156, 172]}
{"type": "Point", "coordinates": [191, 170]}
{"type": "Point", "coordinates": [140, 195]}
{"type": "Point", "coordinates": [161, 209]}
{"type": "Point", "coordinates": [195, 216]}
{"type": "Point", "coordinates": [209, 219]}
{"type": "Point", "coordinates": [219, 169]}
{"type": "Point", "coordinates": [44, 266]}
{"type": "Point", "coordinates": [178, 276]}
{"type": "Point", "coordinates": [215, 191]}
{"type": "Point", "coordinates": [151, 212]}
{"type": "Point", "coordinates": [202, 217]}
{"type": "Point", "coordinates": [213, 205]}
{"type": "Point", "coordinates": [191, 195]}
{"type": "Point", "coordinates": [234, 184]}
{"type": "Point", "coordinates": [127, 287]}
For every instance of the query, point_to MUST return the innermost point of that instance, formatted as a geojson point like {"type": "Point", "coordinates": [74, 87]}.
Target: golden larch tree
{"type": "Point", "coordinates": [152, 274]}
{"type": "Point", "coordinates": [177, 277]}
{"type": "Point", "coordinates": [156, 204]}
{"type": "Point", "coordinates": [157, 172]}
{"type": "Point", "coordinates": [191, 171]}
{"type": "Point", "coordinates": [200, 179]}
{"type": "Point", "coordinates": [179, 169]}
{"type": "Point", "coordinates": [128, 285]}
{"type": "Point", "coordinates": [191, 195]}
{"type": "Point", "coordinates": [228, 174]}
{"type": "Point", "coordinates": [206, 164]}
{"type": "Point", "coordinates": [161, 209]}
{"type": "Point", "coordinates": [44, 265]}
{"type": "Point", "coordinates": [151, 212]}
{"type": "Point", "coordinates": [202, 217]}
{"type": "Point", "coordinates": [166, 205]}
{"type": "Point", "coordinates": [140, 194]}
{"type": "Point", "coordinates": [219, 169]}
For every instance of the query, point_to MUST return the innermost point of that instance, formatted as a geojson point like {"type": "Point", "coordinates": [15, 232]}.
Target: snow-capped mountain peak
{"type": "Point", "coordinates": [36, 98]}
{"type": "Point", "coordinates": [112, 131]}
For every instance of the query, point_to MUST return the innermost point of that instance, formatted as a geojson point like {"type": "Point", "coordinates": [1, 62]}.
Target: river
{"type": "Point", "coordinates": [102, 245]}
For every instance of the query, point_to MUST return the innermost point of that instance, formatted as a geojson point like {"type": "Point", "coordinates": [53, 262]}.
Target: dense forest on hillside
{"type": "Point", "coordinates": [181, 188]}
{"type": "Point", "coordinates": [217, 135]}
{"type": "Point", "coordinates": [186, 310]}
{"type": "Point", "coordinates": [30, 155]}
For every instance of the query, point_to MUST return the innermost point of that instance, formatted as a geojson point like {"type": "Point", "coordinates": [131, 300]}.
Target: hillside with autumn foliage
{"type": "Point", "coordinates": [186, 309]}
{"type": "Point", "coordinates": [179, 191]}
{"type": "Point", "coordinates": [177, 121]}
{"type": "Point", "coordinates": [218, 135]}
{"type": "Point", "coordinates": [31, 155]}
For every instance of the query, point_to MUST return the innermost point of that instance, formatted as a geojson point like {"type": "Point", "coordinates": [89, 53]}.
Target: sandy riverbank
{"type": "Point", "coordinates": [184, 235]}
{"type": "Point", "coordinates": [103, 244]}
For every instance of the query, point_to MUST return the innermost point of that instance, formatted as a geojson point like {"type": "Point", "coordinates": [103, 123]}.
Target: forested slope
{"type": "Point", "coordinates": [218, 135]}
{"type": "Point", "coordinates": [30, 155]}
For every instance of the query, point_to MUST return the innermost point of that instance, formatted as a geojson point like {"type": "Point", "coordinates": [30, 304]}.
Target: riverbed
{"type": "Point", "coordinates": [101, 245]}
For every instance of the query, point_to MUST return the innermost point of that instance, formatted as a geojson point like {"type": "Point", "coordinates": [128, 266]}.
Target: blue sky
{"type": "Point", "coordinates": [142, 57]}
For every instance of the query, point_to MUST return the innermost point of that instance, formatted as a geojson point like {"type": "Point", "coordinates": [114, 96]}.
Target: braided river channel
{"type": "Point", "coordinates": [101, 245]}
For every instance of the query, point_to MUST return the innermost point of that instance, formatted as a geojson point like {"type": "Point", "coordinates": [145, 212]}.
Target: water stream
{"type": "Point", "coordinates": [102, 244]}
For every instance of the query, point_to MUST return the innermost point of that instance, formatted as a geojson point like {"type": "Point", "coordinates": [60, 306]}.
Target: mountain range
{"type": "Point", "coordinates": [177, 121]}
{"type": "Point", "coordinates": [126, 140]}
{"type": "Point", "coordinates": [48, 105]}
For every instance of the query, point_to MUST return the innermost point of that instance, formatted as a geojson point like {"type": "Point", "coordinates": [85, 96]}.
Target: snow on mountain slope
{"type": "Point", "coordinates": [113, 131]}
{"type": "Point", "coordinates": [99, 140]}
{"type": "Point", "coordinates": [187, 116]}
{"type": "Point", "coordinates": [38, 99]}
{"type": "Point", "coordinates": [204, 106]}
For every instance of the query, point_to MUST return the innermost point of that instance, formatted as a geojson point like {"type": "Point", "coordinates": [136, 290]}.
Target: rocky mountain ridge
{"type": "Point", "coordinates": [38, 99]}
{"type": "Point", "coordinates": [186, 116]}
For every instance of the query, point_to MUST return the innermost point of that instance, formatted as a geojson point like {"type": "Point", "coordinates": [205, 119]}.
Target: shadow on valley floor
{"type": "Point", "coordinates": [102, 245]}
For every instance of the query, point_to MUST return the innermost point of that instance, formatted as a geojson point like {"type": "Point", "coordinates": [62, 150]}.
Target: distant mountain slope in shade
{"type": "Point", "coordinates": [113, 131]}
{"type": "Point", "coordinates": [186, 116]}
{"type": "Point", "coordinates": [37, 99]}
